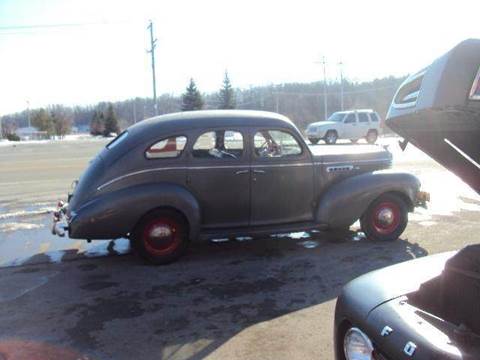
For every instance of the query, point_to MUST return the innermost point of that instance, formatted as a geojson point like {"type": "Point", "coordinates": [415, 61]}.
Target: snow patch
{"type": "Point", "coordinates": [309, 244]}
{"type": "Point", "coordinates": [55, 256]}
{"type": "Point", "coordinates": [295, 235]}
{"type": "Point", "coordinates": [121, 246]}
{"type": "Point", "coordinates": [19, 226]}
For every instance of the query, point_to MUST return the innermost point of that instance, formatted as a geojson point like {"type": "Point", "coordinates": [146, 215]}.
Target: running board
{"type": "Point", "coordinates": [208, 234]}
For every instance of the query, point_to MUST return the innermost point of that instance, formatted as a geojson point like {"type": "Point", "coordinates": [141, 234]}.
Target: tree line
{"type": "Point", "coordinates": [301, 102]}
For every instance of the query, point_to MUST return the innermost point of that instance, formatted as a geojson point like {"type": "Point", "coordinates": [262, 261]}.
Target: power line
{"type": "Point", "coordinates": [37, 27]}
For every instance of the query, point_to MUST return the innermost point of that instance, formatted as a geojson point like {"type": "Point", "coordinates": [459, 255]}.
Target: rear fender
{"type": "Point", "coordinates": [345, 202]}
{"type": "Point", "coordinates": [116, 213]}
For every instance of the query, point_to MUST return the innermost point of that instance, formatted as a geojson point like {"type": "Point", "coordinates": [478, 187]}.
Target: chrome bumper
{"type": "Point", "coordinates": [60, 223]}
{"type": "Point", "coordinates": [422, 198]}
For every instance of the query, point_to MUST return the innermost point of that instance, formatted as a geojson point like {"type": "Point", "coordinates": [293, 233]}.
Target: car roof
{"type": "Point", "coordinates": [210, 118]}
{"type": "Point", "coordinates": [355, 110]}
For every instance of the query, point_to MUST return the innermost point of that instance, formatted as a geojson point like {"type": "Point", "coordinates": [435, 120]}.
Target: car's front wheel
{"type": "Point", "coordinates": [313, 140]}
{"type": "Point", "coordinates": [161, 236]}
{"type": "Point", "coordinates": [331, 137]}
{"type": "Point", "coordinates": [385, 219]}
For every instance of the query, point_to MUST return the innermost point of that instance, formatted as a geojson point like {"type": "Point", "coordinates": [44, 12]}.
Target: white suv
{"type": "Point", "coordinates": [353, 125]}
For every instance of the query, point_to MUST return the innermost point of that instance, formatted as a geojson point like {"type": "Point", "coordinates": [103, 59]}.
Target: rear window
{"type": "Point", "coordinates": [120, 138]}
{"type": "Point", "coordinates": [362, 117]}
{"type": "Point", "coordinates": [171, 147]}
{"type": "Point", "coordinates": [374, 117]}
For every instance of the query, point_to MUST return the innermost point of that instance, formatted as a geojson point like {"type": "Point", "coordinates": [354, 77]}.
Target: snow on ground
{"type": "Point", "coordinates": [70, 137]}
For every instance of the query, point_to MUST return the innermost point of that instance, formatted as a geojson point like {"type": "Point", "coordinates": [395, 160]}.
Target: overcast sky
{"type": "Point", "coordinates": [259, 42]}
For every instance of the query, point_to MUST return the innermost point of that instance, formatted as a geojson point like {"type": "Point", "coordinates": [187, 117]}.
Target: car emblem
{"type": "Point", "coordinates": [410, 348]}
{"type": "Point", "coordinates": [387, 330]}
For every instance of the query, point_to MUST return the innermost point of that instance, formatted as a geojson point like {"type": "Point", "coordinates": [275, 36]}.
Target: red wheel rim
{"type": "Point", "coordinates": [161, 236]}
{"type": "Point", "coordinates": [386, 217]}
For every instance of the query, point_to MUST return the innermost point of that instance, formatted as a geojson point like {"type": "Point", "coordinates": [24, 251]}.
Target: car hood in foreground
{"type": "Point", "coordinates": [372, 289]}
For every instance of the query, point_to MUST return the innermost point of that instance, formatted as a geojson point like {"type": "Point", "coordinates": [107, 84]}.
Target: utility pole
{"type": "Point", "coordinates": [135, 111]}
{"type": "Point", "coordinates": [340, 65]}
{"type": "Point", "coordinates": [325, 104]}
{"type": "Point", "coordinates": [28, 114]}
{"type": "Point", "coordinates": [153, 44]}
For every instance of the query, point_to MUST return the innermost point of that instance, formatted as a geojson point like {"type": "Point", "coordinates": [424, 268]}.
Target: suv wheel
{"type": "Point", "coordinates": [161, 236]}
{"type": "Point", "coordinates": [372, 136]}
{"type": "Point", "coordinates": [331, 137]}
{"type": "Point", "coordinates": [313, 141]}
{"type": "Point", "coordinates": [385, 219]}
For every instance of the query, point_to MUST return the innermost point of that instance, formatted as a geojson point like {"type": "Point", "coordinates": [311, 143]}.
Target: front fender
{"type": "Point", "coordinates": [115, 214]}
{"type": "Point", "coordinates": [345, 202]}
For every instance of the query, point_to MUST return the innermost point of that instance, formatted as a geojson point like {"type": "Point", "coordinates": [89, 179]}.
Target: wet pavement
{"type": "Point", "coordinates": [242, 298]}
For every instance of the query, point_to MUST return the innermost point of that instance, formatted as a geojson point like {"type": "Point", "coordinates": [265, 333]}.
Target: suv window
{"type": "Point", "coordinates": [167, 148]}
{"type": "Point", "coordinates": [219, 144]}
{"type": "Point", "coordinates": [350, 118]}
{"type": "Point", "coordinates": [362, 117]}
{"type": "Point", "coordinates": [276, 144]}
{"type": "Point", "coordinates": [374, 117]}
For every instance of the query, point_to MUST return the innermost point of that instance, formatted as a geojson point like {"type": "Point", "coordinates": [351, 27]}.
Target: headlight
{"type": "Point", "coordinates": [357, 345]}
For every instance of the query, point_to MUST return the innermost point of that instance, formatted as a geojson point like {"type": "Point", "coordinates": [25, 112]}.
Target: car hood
{"type": "Point", "coordinates": [391, 282]}
{"type": "Point", "coordinates": [325, 123]}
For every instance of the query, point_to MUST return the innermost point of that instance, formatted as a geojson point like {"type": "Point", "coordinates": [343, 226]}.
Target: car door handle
{"type": "Point", "coordinates": [239, 172]}
{"type": "Point", "coordinates": [259, 171]}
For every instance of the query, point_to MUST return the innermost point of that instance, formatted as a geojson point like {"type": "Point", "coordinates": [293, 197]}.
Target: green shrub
{"type": "Point", "coordinates": [13, 137]}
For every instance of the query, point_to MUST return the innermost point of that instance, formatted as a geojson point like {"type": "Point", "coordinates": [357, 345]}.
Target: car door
{"type": "Point", "coordinates": [282, 178]}
{"type": "Point", "coordinates": [350, 126]}
{"type": "Point", "coordinates": [363, 124]}
{"type": "Point", "coordinates": [219, 177]}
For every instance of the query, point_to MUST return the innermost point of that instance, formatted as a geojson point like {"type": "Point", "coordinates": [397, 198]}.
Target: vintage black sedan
{"type": "Point", "coordinates": [176, 178]}
{"type": "Point", "coordinates": [426, 308]}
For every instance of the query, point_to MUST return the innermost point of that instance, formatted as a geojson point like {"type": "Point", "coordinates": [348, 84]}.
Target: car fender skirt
{"type": "Point", "coordinates": [116, 213]}
{"type": "Point", "coordinates": [345, 202]}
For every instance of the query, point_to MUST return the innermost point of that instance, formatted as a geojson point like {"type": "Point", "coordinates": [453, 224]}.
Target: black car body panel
{"type": "Point", "coordinates": [427, 308]}
{"type": "Point", "coordinates": [242, 193]}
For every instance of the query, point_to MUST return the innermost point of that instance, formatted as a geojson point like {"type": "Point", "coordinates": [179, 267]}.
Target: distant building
{"type": "Point", "coordinates": [31, 133]}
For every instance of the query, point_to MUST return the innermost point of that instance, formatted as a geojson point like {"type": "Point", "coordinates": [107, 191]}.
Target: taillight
{"type": "Point", "coordinates": [475, 90]}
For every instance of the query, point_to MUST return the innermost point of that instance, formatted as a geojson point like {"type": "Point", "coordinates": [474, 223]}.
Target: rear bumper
{"type": "Point", "coordinates": [421, 199]}
{"type": "Point", "coordinates": [60, 222]}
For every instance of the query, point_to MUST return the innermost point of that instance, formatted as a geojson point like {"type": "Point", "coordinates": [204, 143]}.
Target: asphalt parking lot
{"type": "Point", "coordinates": [270, 298]}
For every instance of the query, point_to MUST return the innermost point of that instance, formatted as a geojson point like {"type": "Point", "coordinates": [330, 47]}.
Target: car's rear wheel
{"type": "Point", "coordinates": [313, 140]}
{"type": "Point", "coordinates": [385, 219]}
{"type": "Point", "coordinates": [372, 136]}
{"type": "Point", "coordinates": [331, 137]}
{"type": "Point", "coordinates": [161, 236]}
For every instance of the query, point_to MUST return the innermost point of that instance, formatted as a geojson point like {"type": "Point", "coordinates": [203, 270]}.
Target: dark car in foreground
{"type": "Point", "coordinates": [176, 178]}
{"type": "Point", "coordinates": [426, 308]}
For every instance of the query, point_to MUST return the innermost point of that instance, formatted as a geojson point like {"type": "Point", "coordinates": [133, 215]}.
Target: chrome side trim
{"type": "Point", "coordinates": [110, 182]}
{"type": "Point", "coordinates": [144, 171]}
{"type": "Point", "coordinates": [139, 172]}
{"type": "Point", "coordinates": [472, 95]}
{"type": "Point", "coordinates": [352, 161]}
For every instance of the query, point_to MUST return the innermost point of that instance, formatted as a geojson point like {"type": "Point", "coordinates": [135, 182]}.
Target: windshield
{"type": "Point", "coordinates": [337, 117]}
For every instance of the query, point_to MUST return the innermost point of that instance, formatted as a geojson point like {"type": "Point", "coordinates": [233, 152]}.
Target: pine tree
{"type": "Point", "coordinates": [192, 99]}
{"type": "Point", "coordinates": [42, 120]}
{"type": "Point", "coordinates": [96, 124]}
{"type": "Point", "coordinates": [111, 122]}
{"type": "Point", "coordinates": [226, 96]}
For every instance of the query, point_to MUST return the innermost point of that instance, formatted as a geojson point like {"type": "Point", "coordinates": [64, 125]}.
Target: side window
{"type": "Point", "coordinates": [171, 147]}
{"type": "Point", "coordinates": [374, 117]}
{"type": "Point", "coordinates": [350, 119]}
{"type": "Point", "coordinates": [362, 117]}
{"type": "Point", "coordinates": [275, 144]}
{"type": "Point", "coordinates": [219, 144]}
